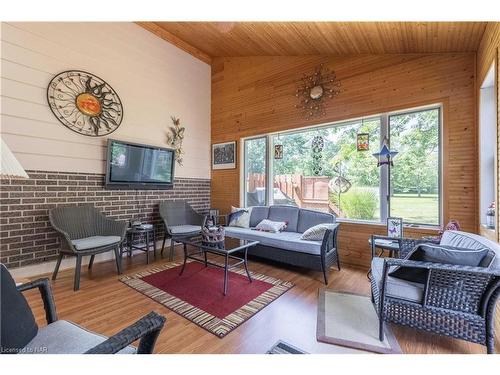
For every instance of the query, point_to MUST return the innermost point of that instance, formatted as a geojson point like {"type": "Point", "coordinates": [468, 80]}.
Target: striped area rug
{"type": "Point", "coordinates": [197, 294]}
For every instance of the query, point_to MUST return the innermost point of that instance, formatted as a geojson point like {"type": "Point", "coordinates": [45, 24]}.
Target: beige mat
{"type": "Point", "coordinates": [350, 320]}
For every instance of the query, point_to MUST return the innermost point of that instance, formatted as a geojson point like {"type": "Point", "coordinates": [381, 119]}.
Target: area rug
{"type": "Point", "coordinates": [197, 294]}
{"type": "Point", "coordinates": [282, 347]}
{"type": "Point", "coordinates": [351, 320]}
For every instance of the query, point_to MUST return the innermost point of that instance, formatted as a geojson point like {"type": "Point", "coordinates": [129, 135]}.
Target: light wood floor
{"type": "Point", "coordinates": [106, 305]}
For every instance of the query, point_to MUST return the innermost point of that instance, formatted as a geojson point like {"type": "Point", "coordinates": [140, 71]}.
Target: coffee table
{"type": "Point", "coordinates": [228, 250]}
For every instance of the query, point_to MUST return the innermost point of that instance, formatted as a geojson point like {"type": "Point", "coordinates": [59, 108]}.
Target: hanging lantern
{"type": "Point", "coordinates": [385, 156]}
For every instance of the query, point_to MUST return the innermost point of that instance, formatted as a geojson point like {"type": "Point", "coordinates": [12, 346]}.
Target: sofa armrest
{"type": "Point", "coordinates": [146, 329]}
{"type": "Point", "coordinates": [329, 242]}
{"type": "Point", "coordinates": [43, 286]}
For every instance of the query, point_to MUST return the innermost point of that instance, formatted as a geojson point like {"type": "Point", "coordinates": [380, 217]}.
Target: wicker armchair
{"type": "Point", "coordinates": [455, 301]}
{"type": "Point", "coordinates": [60, 336]}
{"type": "Point", "coordinates": [85, 231]}
{"type": "Point", "coordinates": [180, 220]}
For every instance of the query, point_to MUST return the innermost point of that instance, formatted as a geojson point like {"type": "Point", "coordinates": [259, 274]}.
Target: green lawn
{"type": "Point", "coordinates": [414, 209]}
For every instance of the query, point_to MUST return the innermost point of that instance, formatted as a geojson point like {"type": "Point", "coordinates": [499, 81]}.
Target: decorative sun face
{"type": "Point", "coordinates": [85, 103]}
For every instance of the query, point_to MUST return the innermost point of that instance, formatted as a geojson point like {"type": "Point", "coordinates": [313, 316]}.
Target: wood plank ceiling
{"type": "Point", "coordinates": [227, 39]}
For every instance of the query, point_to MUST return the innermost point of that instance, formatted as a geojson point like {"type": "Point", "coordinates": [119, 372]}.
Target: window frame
{"type": "Point", "coordinates": [384, 172]}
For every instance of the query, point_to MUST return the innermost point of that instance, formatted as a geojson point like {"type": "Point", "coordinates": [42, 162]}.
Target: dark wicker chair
{"type": "Point", "coordinates": [85, 231]}
{"type": "Point", "coordinates": [456, 301]}
{"type": "Point", "coordinates": [63, 337]}
{"type": "Point", "coordinates": [180, 220]}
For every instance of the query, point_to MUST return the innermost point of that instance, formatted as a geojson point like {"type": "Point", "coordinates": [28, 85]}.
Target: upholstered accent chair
{"type": "Point", "coordinates": [180, 220]}
{"type": "Point", "coordinates": [20, 333]}
{"type": "Point", "coordinates": [451, 299]}
{"type": "Point", "coordinates": [85, 231]}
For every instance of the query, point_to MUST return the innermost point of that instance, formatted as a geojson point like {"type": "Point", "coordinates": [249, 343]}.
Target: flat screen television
{"type": "Point", "coordinates": [138, 166]}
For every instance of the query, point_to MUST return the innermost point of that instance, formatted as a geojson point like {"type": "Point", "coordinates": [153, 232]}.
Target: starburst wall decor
{"type": "Point", "coordinates": [315, 89]}
{"type": "Point", "coordinates": [84, 103]}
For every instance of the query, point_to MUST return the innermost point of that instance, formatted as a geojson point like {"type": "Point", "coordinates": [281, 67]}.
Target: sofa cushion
{"type": "Point", "coordinates": [310, 218]}
{"type": "Point", "coordinates": [63, 337]}
{"type": "Point", "coordinates": [394, 287]}
{"type": "Point", "coordinates": [471, 241]}
{"type": "Point", "coordinates": [258, 214]}
{"type": "Point", "coordinates": [438, 254]}
{"type": "Point", "coordinates": [289, 214]}
{"type": "Point", "coordinates": [95, 241]}
{"type": "Point", "coordinates": [267, 225]}
{"type": "Point", "coordinates": [17, 325]}
{"type": "Point", "coordinates": [317, 233]}
{"type": "Point", "coordinates": [284, 240]}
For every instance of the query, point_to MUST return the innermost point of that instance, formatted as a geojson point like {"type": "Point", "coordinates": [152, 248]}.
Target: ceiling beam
{"type": "Point", "coordinates": [179, 43]}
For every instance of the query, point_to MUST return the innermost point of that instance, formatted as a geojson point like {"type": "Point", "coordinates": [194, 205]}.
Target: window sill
{"type": "Point", "coordinates": [430, 229]}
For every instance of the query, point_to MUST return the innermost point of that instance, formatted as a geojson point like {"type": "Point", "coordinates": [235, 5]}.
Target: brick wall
{"type": "Point", "coordinates": [26, 236]}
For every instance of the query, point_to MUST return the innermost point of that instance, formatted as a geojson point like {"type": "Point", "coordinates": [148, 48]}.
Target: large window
{"type": "Point", "coordinates": [323, 168]}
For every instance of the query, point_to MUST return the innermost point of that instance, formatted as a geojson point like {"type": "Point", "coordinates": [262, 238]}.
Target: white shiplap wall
{"type": "Point", "coordinates": [154, 79]}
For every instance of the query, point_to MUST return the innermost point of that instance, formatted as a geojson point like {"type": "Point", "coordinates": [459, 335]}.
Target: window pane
{"type": "Point", "coordinates": [255, 172]}
{"type": "Point", "coordinates": [414, 194]}
{"type": "Point", "coordinates": [322, 169]}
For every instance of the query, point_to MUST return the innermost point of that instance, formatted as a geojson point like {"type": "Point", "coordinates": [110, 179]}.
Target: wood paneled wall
{"type": "Point", "coordinates": [488, 52]}
{"type": "Point", "coordinates": [255, 95]}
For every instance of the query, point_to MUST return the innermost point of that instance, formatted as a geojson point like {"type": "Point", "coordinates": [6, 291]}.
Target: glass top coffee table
{"type": "Point", "coordinates": [227, 250]}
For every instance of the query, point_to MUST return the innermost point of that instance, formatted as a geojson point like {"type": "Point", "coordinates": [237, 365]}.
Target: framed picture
{"type": "Point", "coordinates": [278, 152]}
{"type": "Point", "coordinates": [363, 142]}
{"type": "Point", "coordinates": [224, 155]}
{"type": "Point", "coordinates": [395, 227]}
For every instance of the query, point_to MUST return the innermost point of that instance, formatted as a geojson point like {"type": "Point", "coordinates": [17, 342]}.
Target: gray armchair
{"type": "Point", "coordinates": [180, 220]}
{"type": "Point", "coordinates": [85, 231]}
{"type": "Point", "coordinates": [454, 300]}
{"type": "Point", "coordinates": [21, 334]}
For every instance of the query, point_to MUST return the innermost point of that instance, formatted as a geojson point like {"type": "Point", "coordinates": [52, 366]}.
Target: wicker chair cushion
{"type": "Point", "coordinates": [471, 241]}
{"type": "Point", "coordinates": [395, 287]}
{"type": "Point", "coordinates": [95, 242]}
{"type": "Point", "coordinates": [63, 337]}
{"type": "Point", "coordinates": [438, 254]}
{"type": "Point", "coordinates": [283, 240]}
{"type": "Point", "coordinates": [185, 229]}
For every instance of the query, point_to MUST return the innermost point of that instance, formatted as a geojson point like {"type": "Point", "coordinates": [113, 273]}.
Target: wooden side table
{"type": "Point", "coordinates": [140, 239]}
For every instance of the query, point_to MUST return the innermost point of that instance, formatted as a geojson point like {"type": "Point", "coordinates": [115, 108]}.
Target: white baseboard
{"type": "Point", "coordinates": [67, 263]}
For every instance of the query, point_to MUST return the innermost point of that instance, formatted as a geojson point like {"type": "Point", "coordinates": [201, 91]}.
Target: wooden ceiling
{"type": "Point", "coordinates": [227, 39]}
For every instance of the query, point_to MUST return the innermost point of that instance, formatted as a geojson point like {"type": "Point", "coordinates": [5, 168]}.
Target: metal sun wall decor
{"type": "Point", "coordinates": [317, 154]}
{"type": "Point", "coordinates": [314, 89]}
{"type": "Point", "coordinates": [85, 103]}
{"type": "Point", "coordinates": [175, 138]}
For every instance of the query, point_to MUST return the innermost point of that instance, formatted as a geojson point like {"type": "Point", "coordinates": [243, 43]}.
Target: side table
{"type": "Point", "coordinates": [140, 239]}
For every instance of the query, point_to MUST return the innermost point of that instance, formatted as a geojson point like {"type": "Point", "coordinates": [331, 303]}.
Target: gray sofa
{"type": "Point", "coordinates": [286, 246]}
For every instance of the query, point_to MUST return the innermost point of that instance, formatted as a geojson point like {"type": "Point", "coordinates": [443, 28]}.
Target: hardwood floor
{"type": "Point", "coordinates": [106, 305]}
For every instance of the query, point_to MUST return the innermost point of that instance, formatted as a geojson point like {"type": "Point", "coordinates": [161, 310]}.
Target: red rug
{"type": "Point", "coordinates": [197, 294]}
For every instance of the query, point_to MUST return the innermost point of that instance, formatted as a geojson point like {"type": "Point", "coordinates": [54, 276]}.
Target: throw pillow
{"type": "Point", "coordinates": [437, 254]}
{"type": "Point", "coordinates": [317, 232]}
{"type": "Point", "coordinates": [18, 325]}
{"type": "Point", "coordinates": [267, 225]}
{"type": "Point", "coordinates": [239, 217]}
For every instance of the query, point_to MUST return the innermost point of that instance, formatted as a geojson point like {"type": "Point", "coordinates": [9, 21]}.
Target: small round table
{"type": "Point", "coordinates": [139, 238]}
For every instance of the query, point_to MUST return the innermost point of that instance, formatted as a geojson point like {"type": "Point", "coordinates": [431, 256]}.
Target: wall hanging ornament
{"type": "Point", "coordinates": [317, 154]}
{"type": "Point", "coordinates": [278, 149]}
{"type": "Point", "coordinates": [85, 103]}
{"type": "Point", "coordinates": [385, 155]}
{"type": "Point", "coordinates": [363, 141]}
{"type": "Point", "coordinates": [315, 89]}
{"type": "Point", "coordinates": [175, 138]}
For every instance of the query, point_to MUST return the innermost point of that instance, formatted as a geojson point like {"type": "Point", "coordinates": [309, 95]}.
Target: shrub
{"type": "Point", "coordinates": [359, 203]}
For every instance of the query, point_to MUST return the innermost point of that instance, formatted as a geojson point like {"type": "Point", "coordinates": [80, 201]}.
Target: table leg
{"type": "Point", "coordinates": [246, 265]}
{"type": "Point", "coordinates": [185, 260]}
{"type": "Point", "coordinates": [225, 273]}
{"type": "Point", "coordinates": [154, 243]}
{"type": "Point", "coordinates": [205, 254]}
{"type": "Point", "coordinates": [147, 247]}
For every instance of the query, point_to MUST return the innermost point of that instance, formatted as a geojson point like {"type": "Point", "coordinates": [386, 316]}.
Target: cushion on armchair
{"type": "Point", "coordinates": [95, 242]}
{"type": "Point", "coordinates": [438, 254]}
{"type": "Point", "coordinates": [18, 326]}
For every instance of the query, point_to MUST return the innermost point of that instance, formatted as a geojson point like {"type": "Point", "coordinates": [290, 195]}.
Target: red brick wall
{"type": "Point", "coordinates": [26, 236]}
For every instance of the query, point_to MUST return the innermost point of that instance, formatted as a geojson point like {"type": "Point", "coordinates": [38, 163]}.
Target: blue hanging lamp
{"type": "Point", "coordinates": [385, 155]}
